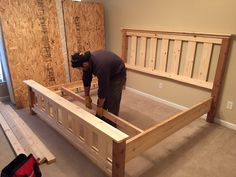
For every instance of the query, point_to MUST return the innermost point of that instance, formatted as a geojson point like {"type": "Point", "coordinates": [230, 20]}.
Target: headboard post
{"type": "Point", "coordinates": [218, 78]}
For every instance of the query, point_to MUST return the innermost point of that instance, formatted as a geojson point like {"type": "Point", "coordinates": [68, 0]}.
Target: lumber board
{"type": "Point", "coordinates": [218, 78]}
{"type": "Point", "coordinates": [205, 61]}
{"type": "Point", "coordinates": [133, 50]}
{"type": "Point", "coordinates": [188, 71]}
{"type": "Point", "coordinates": [15, 144]}
{"type": "Point", "coordinates": [177, 36]}
{"type": "Point", "coordinates": [118, 162]}
{"type": "Point", "coordinates": [143, 51]}
{"type": "Point", "coordinates": [164, 54]}
{"type": "Point", "coordinates": [176, 57]}
{"type": "Point", "coordinates": [192, 81]}
{"type": "Point", "coordinates": [155, 134]}
{"type": "Point", "coordinates": [40, 150]}
{"type": "Point", "coordinates": [153, 48]}
{"type": "Point", "coordinates": [129, 128]}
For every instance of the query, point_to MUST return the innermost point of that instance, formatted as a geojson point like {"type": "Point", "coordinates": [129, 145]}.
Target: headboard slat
{"type": "Point", "coordinates": [205, 61]}
{"type": "Point", "coordinates": [176, 57]}
{"type": "Point", "coordinates": [190, 59]}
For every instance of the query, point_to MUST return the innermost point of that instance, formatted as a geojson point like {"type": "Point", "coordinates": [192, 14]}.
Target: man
{"type": "Point", "coordinates": [111, 73]}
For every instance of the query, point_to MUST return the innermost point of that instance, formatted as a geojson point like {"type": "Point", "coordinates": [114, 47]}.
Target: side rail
{"type": "Point", "coordinates": [152, 136]}
{"type": "Point", "coordinates": [102, 143]}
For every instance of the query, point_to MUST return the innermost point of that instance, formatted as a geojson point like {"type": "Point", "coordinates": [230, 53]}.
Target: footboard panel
{"type": "Point", "coordinates": [89, 134]}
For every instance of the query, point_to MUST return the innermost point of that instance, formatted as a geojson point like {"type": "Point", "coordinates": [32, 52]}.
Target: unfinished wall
{"type": "Point", "coordinates": [30, 30]}
{"type": "Point", "coordinates": [84, 23]}
{"type": "Point", "coordinates": [191, 16]}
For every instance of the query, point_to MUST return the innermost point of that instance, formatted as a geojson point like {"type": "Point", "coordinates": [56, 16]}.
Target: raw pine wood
{"type": "Point", "coordinates": [164, 54]}
{"type": "Point", "coordinates": [31, 100]}
{"type": "Point", "coordinates": [143, 45]}
{"type": "Point", "coordinates": [129, 128]}
{"type": "Point", "coordinates": [40, 150]}
{"type": "Point", "coordinates": [218, 78]}
{"type": "Point", "coordinates": [208, 40]}
{"type": "Point", "coordinates": [133, 50]}
{"type": "Point", "coordinates": [118, 159]}
{"type": "Point", "coordinates": [73, 109]}
{"type": "Point", "coordinates": [33, 45]}
{"type": "Point", "coordinates": [145, 140]}
{"type": "Point", "coordinates": [176, 57]}
{"type": "Point", "coordinates": [188, 70]}
{"type": "Point", "coordinates": [20, 134]}
{"type": "Point", "coordinates": [18, 149]}
{"type": "Point", "coordinates": [192, 81]}
{"type": "Point", "coordinates": [153, 49]}
{"type": "Point", "coordinates": [84, 26]}
{"type": "Point", "coordinates": [205, 61]}
{"type": "Point", "coordinates": [74, 140]}
{"type": "Point", "coordinates": [124, 45]}
{"type": "Point", "coordinates": [178, 36]}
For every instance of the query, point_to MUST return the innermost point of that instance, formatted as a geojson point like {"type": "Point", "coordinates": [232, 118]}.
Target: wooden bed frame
{"type": "Point", "coordinates": [110, 148]}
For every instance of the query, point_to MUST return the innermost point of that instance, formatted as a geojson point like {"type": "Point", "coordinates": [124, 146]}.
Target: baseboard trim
{"type": "Point", "coordinates": [225, 123]}
{"type": "Point", "coordinates": [154, 98]}
{"type": "Point", "coordinates": [180, 107]}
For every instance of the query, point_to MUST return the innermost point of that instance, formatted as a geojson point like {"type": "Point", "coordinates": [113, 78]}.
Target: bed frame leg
{"type": "Point", "coordinates": [31, 100]}
{"type": "Point", "coordinates": [218, 79]}
{"type": "Point", "coordinates": [118, 159]}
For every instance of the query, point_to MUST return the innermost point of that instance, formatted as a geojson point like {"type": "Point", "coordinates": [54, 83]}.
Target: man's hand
{"type": "Point", "coordinates": [88, 102]}
{"type": "Point", "coordinates": [99, 111]}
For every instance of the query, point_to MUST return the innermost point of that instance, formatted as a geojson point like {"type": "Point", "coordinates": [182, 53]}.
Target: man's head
{"type": "Point", "coordinates": [79, 60]}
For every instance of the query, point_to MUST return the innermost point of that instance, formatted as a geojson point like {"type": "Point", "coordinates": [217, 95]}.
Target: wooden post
{"type": "Point", "coordinates": [118, 159]}
{"type": "Point", "coordinates": [31, 95]}
{"type": "Point", "coordinates": [124, 45]}
{"type": "Point", "coordinates": [218, 79]}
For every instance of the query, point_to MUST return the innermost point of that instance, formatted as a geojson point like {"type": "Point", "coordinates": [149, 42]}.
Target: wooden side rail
{"type": "Point", "coordinates": [143, 141]}
{"type": "Point", "coordinates": [126, 126]}
{"type": "Point", "coordinates": [77, 86]}
{"type": "Point", "coordinates": [95, 138]}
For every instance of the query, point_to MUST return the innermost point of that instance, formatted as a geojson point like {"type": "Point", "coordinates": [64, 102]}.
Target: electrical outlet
{"type": "Point", "coordinates": [160, 85]}
{"type": "Point", "coordinates": [229, 105]}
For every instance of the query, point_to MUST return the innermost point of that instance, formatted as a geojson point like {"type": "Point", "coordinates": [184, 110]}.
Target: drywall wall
{"type": "Point", "coordinates": [183, 15]}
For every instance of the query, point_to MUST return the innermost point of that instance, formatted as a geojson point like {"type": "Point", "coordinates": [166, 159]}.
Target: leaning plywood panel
{"type": "Point", "coordinates": [84, 23]}
{"type": "Point", "coordinates": [31, 35]}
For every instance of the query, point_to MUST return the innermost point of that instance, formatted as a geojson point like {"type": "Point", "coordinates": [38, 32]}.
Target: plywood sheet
{"type": "Point", "coordinates": [31, 34]}
{"type": "Point", "coordinates": [84, 23]}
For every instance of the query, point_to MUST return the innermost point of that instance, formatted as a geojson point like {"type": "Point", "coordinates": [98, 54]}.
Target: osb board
{"type": "Point", "coordinates": [84, 23]}
{"type": "Point", "coordinates": [31, 34]}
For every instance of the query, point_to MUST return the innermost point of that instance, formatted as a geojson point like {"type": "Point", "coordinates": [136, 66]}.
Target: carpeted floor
{"type": "Point", "coordinates": [198, 150]}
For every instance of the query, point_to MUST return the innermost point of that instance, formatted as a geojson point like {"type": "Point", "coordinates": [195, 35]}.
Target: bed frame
{"type": "Point", "coordinates": [152, 52]}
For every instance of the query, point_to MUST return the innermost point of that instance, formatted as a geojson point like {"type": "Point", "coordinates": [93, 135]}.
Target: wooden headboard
{"type": "Point", "coordinates": [192, 58]}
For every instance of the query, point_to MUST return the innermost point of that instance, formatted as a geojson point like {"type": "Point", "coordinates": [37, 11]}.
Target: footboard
{"type": "Point", "coordinates": [102, 143]}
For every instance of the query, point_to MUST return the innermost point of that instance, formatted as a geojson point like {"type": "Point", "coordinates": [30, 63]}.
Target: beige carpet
{"type": "Point", "coordinates": [198, 150]}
